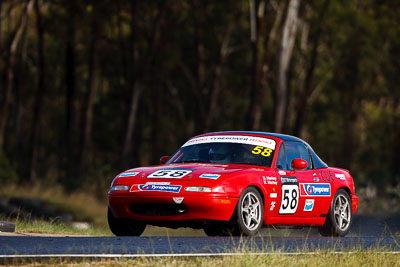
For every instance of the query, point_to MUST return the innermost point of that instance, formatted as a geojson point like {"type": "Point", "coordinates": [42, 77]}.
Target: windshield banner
{"type": "Point", "coordinates": [241, 139]}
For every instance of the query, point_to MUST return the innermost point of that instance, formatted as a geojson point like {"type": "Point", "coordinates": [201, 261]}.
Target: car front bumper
{"type": "Point", "coordinates": [172, 208]}
{"type": "Point", "coordinates": [354, 203]}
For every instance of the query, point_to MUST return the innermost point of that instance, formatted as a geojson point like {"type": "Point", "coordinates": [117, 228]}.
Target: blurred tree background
{"type": "Point", "coordinates": [90, 88]}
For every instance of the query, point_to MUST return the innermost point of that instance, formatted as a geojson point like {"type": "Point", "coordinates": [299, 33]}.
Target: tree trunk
{"type": "Point", "coordinates": [254, 107]}
{"type": "Point", "coordinates": [69, 162]}
{"type": "Point", "coordinates": [41, 88]}
{"type": "Point", "coordinates": [87, 109]}
{"type": "Point", "coordinates": [135, 90]}
{"type": "Point", "coordinates": [15, 37]}
{"type": "Point", "coordinates": [200, 91]}
{"type": "Point", "coordinates": [302, 109]}
{"type": "Point", "coordinates": [135, 84]}
{"type": "Point", "coordinates": [218, 79]}
{"type": "Point", "coordinates": [287, 44]}
{"type": "Point", "coordinates": [259, 70]}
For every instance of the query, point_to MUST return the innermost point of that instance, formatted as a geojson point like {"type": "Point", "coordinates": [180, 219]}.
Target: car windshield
{"type": "Point", "coordinates": [227, 149]}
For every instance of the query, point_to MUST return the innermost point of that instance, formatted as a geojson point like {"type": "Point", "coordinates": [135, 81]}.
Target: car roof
{"type": "Point", "coordinates": [318, 162]}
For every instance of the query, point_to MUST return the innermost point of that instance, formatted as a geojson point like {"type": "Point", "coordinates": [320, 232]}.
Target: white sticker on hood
{"type": "Point", "coordinates": [210, 176]}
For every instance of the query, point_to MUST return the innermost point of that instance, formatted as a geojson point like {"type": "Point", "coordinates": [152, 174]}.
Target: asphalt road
{"type": "Point", "coordinates": [368, 232]}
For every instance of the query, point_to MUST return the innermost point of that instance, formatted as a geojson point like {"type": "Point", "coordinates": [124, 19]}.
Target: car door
{"type": "Point", "coordinates": [292, 202]}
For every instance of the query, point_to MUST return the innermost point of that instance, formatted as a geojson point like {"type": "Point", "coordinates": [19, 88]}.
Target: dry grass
{"type": "Point", "coordinates": [83, 205]}
{"type": "Point", "coordinates": [321, 258]}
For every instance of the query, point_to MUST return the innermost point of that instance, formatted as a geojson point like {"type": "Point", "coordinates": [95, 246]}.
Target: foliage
{"type": "Point", "coordinates": [191, 65]}
{"type": "Point", "coordinates": [7, 171]}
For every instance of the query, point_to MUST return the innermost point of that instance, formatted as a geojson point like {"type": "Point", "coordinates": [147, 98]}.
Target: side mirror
{"type": "Point", "coordinates": [299, 164]}
{"type": "Point", "coordinates": [164, 159]}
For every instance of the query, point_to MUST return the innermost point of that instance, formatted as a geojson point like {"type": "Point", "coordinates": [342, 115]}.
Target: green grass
{"type": "Point", "coordinates": [322, 258]}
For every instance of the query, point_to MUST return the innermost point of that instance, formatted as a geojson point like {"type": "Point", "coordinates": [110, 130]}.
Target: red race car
{"type": "Point", "coordinates": [233, 183]}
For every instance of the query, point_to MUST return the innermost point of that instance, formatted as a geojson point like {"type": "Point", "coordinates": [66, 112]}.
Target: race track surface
{"type": "Point", "coordinates": [368, 232]}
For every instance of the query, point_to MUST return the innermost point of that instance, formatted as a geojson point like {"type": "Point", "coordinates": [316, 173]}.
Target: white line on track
{"type": "Point", "coordinates": [107, 256]}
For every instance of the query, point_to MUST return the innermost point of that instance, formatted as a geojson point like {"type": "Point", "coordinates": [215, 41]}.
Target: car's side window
{"type": "Point", "coordinates": [281, 162]}
{"type": "Point", "coordinates": [297, 150]}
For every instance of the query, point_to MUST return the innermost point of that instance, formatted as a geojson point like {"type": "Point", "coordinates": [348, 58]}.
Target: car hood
{"type": "Point", "coordinates": [185, 171]}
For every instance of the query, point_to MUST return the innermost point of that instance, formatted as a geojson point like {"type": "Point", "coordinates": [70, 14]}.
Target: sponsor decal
{"type": "Point", "coordinates": [282, 172]}
{"type": "Point", "coordinates": [273, 195]}
{"type": "Point", "coordinates": [309, 205]}
{"type": "Point", "coordinates": [288, 180]}
{"type": "Point", "coordinates": [290, 195]}
{"type": "Point", "coordinates": [327, 176]}
{"type": "Point", "coordinates": [128, 174]}
{"type": "Point", "coordinates": [272, 206]}
{"type": "Point", "coordinates": [241, 139]}
{"type": "Point", "coordinates": [170, 173]}
{"type": "Point", "coordinates": [318, 190]}
{"type": "Point", "coordinates": [270, 180]}
{"type": "Point", "coordinates": [340, 176]}
{"type": "Point", "coordinates": [316, 179]}
{"type": "Point", "coordinates": [159, 183]}
{"type": "Point", "coordinates": [178, 200]}
{"type": "Point", "coordinates": [210, 176]}
{"type": "Point", "coordinates": [156, 187]}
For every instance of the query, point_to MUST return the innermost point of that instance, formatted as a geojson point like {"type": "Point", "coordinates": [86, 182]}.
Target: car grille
{"type": "Point", "coordinates": [157, 209]}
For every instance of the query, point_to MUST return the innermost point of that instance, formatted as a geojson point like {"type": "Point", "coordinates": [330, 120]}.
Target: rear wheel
{"type": "Point", "coordinates": [339, 216]}
{"type": "Point", "coordinates": [124, 227]}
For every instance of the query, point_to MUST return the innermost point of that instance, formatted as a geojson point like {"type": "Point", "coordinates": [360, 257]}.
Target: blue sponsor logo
{"type": "Point", "coordinates": [210, 176]}
{"type": "Point", "coordinates": [309, 205]}
{"type": "Point", "coordinates": [128, 174]}
{"type": "Point", "coordinates": [160, 188]}
{"type": "Point", "coordinates": [316, 190]}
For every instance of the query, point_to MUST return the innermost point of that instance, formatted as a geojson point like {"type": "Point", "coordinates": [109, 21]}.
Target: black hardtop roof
{"type": "Point", "coordinates": [284, 137]}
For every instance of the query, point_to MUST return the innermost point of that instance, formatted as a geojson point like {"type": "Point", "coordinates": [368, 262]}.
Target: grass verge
{"type": "Point", "coordinates": [45, 227]}
{"type": "Point", "coordinates": [82, 204]}
{"type": "Point", "coordinates": [321, 258]}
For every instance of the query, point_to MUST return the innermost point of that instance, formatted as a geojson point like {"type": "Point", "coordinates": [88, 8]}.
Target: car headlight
{"type": "Point", "coordinates": [120, 188]}
{"type": "Point", "coordinates": [197, 189]}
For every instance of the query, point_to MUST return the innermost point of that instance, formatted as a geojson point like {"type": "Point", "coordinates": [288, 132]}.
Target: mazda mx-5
{"type": "Point", "coordinates": [233, 183]}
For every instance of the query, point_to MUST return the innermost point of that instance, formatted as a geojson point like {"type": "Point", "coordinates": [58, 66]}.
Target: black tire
{"type": "Point", "coordinates": [7, 227]}
{"type": "Point", "coordinates": [124, 227]}
{"type": "Point", "coordinates": [221, 229]}
{"type": "Point", "coordinates": [339, 217]}
{"type": "Point", "coordinates": [249, 212]}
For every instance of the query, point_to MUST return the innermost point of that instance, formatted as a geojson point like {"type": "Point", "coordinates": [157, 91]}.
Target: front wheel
{"type": "Point", "coordinates": [339, 216]}
{"type": "Point", "coordinates": [124, 227]}
{"type": "Point", "coordinates": [249, 212]}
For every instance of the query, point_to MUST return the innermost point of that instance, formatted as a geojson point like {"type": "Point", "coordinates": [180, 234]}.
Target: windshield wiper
{"type": "Point", "coordinates": [247, 163]}
{"type": "Point", "coordinates": [194, 160]}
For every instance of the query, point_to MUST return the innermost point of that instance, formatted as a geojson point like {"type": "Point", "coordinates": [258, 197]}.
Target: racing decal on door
{"type": "Point", "coordinates": [290, 195]}
{"type": "Point", "coordinates": [308, 205]}
{"type": "Point", "coordinates": [315, 190]}
{"type": "Point", "coordinates": [170, 173]}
